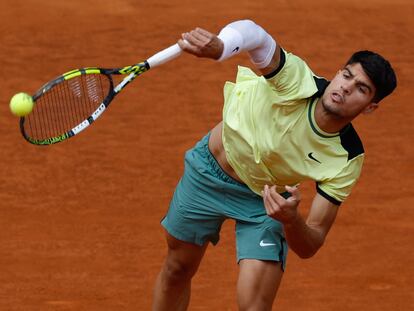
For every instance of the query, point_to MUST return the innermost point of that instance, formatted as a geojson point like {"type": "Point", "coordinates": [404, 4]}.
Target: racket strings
{"type": "Point", "coordinates": [66, 105]}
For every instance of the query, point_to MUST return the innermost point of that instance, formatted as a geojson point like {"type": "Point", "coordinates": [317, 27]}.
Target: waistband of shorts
{"type": "Point", "coordinates": [216, 166]}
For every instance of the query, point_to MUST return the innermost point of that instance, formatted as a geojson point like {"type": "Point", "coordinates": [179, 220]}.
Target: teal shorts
{"type": "Point", "coordinates": [206, 196]}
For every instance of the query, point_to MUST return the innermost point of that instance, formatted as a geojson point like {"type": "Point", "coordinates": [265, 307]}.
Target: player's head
{"type": "Point", "coordinates": [357, 88]}
{"type": "Point", "coordinates": [379, 70]}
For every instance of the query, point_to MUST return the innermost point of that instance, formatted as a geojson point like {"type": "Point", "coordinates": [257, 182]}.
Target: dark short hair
{"type": "Point", "coordinates": [379, 70]}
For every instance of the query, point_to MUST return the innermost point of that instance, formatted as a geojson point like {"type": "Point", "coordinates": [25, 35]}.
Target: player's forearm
{"type": "Point", "coordinates": [236, 37]}
{"type": "Point", "coordinates": [245, 35]}
{"type": "Point", "coordinates": [303, 239]}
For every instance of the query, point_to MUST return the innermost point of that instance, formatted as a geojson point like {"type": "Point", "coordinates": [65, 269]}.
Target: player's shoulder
{"type": "Point", "coordinates": [346, 143]}
{"type": "Point", "coordinates": [294, 79]}
{"type": "Point", "coordinates": [351, 142]}
{"type": "Point", "coordinates": [288, 63]}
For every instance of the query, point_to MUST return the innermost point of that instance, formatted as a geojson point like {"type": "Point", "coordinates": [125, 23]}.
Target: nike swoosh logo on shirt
{"type": "Point", "coordinates": [313, 158]}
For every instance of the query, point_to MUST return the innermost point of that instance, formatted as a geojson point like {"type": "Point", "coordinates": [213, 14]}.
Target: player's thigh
{"type": "Point", "coordinates": [258, 283]}
{"type": "Point", "coordinates": [183, 258]}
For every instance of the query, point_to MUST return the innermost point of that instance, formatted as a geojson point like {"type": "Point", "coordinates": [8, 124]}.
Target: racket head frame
{"type": "Point", "coordinates": [131, 71]}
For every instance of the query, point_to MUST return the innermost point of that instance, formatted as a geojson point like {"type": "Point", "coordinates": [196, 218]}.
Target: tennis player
{"type": "Point", "coordinates": [279, 128]}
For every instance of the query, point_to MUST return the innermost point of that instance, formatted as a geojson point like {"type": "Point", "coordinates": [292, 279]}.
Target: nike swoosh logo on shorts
{"type": "Point", "coordinates": [263, 244]}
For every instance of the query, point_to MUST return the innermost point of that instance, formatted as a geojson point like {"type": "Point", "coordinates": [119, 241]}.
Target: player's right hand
{"type": "Point", "coordinates": [201, 43]}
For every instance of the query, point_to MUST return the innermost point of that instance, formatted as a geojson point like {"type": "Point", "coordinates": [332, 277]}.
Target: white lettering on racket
{"type": "Point", "coordinates": [95, 115]}
{"type": "Point", "coordinates": [98, 112]}
{"type": "Point", "coordinates": [80, 127]}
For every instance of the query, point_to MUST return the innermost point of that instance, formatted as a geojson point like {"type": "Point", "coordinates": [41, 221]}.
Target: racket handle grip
{"type": "Point", "coordinates": [164, 56]}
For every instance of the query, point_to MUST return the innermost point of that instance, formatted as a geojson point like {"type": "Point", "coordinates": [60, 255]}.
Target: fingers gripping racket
{"type": "Point", "coordinates": [68, 104]}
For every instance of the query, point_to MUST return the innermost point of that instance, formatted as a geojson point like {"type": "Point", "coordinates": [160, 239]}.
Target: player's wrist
{"type": "Point", "coordinates": [294, 220]}
{"type": "Point", "coordinates": [218, 48]}
{"type": "Point", "coordinates": [232, 43]}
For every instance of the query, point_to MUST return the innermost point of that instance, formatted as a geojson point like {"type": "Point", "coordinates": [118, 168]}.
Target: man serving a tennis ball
{"type": "Point", "coordinates": [279, 128]}
{"type": "Point", "coordinates": [21, 104]}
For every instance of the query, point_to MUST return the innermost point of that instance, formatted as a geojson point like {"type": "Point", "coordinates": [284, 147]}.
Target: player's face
{"type": "Point", "coordinates": [349, 93]}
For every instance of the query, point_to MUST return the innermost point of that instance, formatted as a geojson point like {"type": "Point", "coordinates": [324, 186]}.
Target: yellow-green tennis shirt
{"type": "Point", "coordinates": [270, 135]}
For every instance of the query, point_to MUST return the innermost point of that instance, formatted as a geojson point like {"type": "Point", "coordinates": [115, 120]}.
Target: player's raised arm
{"type": "Point", "coordinates": [236, 37]}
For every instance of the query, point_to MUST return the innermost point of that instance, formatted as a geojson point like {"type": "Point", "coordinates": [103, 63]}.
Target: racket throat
{"type": "Point", "coordinates": [124, 82]}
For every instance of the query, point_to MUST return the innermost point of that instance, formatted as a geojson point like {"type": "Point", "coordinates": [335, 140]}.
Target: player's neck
{"type": "Point", "coordinates": [329, 122]}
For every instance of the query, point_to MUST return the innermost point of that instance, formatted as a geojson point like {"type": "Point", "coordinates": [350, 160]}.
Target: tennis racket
{"type": "Point", "coordinates": [67, 105]}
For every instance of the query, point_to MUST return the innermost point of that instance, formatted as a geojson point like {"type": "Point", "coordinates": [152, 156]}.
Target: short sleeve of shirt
{"type": "Point", "coordinates": [337, 189]}
{"type": "Point", "coordinates": [338, 186]}
{"type": "Point", "coordinates": [293, 79]}
{"type": "Point", "coordinates": [290, 83]}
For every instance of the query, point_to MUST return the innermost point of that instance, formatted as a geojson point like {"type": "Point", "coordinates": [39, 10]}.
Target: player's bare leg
{"type": "Point", "coordinates": [173, 284]}
{"type": "Point", "coordinates": [257, 284]}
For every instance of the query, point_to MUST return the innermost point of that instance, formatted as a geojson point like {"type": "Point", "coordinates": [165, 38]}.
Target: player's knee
{"type": "Point", "coordinates": [255, 303]}
{"type": "Point", "coordinates": [176, 271]}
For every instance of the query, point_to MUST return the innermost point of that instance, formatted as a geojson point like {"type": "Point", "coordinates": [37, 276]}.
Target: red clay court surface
{"type": "Point", "coordinates": [79, 220]}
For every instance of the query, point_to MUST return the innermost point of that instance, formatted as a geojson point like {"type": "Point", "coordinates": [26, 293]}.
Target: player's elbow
{"type": "Point", "coordinates": [311, 251]}
{"type": "Point", "coordinates": [306, 255]}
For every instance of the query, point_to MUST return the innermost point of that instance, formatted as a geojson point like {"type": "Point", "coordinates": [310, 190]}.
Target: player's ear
{"type": "Point", "coordinates": [370, 108]}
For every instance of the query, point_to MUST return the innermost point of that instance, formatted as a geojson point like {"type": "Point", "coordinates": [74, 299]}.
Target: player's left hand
{"type": "Point", "coordinates": [201, 43]}
{"type": "Point", "coordinates": [279, 208]}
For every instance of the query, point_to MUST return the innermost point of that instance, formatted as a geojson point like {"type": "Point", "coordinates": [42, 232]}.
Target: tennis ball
{"type": "Point", "coordinates": [21, 104]}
